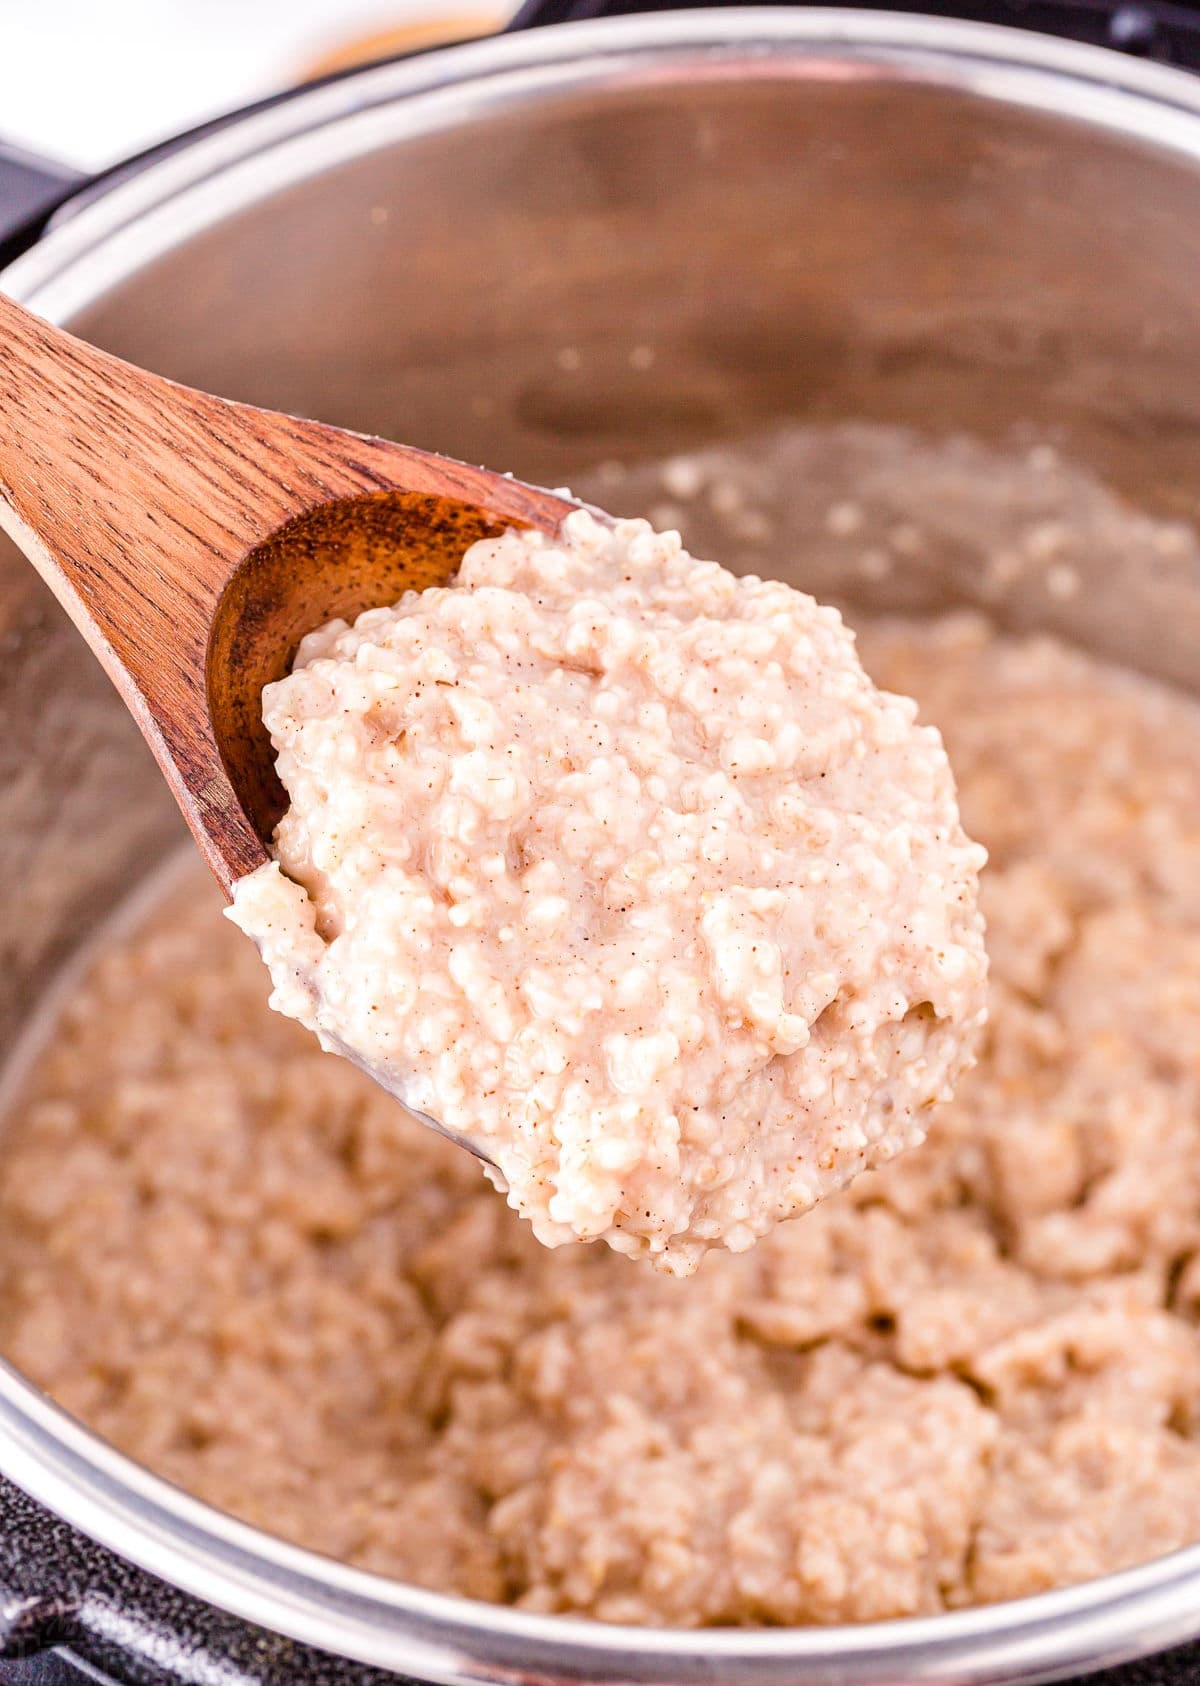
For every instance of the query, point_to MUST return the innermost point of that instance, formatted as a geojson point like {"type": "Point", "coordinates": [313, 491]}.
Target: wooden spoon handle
{"type": "Point", "coordinates": [133, 496]}
{"type": "Point", "coordinates": [139, 501]}
{"type": "Point", "coordinates": [137, 498]}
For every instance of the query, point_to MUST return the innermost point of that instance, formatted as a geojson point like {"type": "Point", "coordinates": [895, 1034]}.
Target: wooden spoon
{"type": "Point", "coordinates": [194, 542]}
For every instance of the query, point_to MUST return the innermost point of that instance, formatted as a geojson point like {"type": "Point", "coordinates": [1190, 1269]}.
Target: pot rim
{"type": "Point", "coordinates": [90, 247]}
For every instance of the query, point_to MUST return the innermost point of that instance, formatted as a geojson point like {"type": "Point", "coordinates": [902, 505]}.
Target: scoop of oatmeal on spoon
{"type": "Point", "coordinates": [620, 867]}
{"type": "Point", "coordinates": [611, 864]}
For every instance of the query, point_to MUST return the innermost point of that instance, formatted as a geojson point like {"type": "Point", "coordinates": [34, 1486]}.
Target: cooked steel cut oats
{"type": "Point", "coordinates": [620, 866]}
{"type": "Point", "coordinates": [973, 1374]}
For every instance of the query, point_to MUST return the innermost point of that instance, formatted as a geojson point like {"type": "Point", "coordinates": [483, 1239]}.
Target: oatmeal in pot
{"type": "Point", "coordinates": [619, 865]}
{"type": "Point", "coordinates": [971, 1375]}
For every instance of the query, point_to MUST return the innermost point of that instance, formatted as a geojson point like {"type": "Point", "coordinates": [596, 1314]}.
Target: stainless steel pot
{"type": "Point", "coordinates": [810, 214]}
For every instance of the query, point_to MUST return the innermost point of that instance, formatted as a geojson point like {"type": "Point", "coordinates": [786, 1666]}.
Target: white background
{"type": "Point", "coordinates": [90, 81]}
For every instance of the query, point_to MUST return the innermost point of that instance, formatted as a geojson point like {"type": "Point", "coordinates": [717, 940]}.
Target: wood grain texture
{"type": "Point", "coordinates": [194, 541]}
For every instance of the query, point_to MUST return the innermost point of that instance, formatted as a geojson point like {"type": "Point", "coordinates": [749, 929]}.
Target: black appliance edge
{"type": "Point", "coordinates": [1155, 29]}
{"type": "Point", "coordinates": [72, 1611]}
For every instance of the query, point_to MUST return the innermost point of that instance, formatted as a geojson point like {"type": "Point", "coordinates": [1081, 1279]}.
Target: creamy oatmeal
{"type": "Point", "coordinates": [973, 1374]}
{"type": "Point", "coordinates": [619, 866]}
